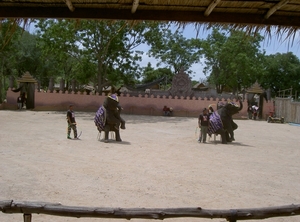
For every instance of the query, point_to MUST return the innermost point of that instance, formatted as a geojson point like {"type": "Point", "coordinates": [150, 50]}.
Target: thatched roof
{"type": "Point", "coordinates": [200, 87]}
{"type": "Point", "coordinates": [267, 17]}
{"type": "Point", "coordinates": [146, 85]}
{"type": "Point", "coordinates": [259, 12]}
{"type": "Point", "coordinates": [27, 78]}
{"type": "Point", "coordinates": [255, 88]}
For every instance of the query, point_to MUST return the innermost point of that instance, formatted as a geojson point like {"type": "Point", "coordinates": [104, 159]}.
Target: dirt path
{"type": "Point", "coordinates": [159, 164]}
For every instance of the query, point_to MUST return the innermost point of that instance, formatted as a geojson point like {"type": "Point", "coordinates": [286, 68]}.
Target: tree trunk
{"type": "Point", "coordinates": [1, 83]}
{"type": "Point", "coordinates": [100, 76]}
{"type": "Point", "coordinates": [1, 88]}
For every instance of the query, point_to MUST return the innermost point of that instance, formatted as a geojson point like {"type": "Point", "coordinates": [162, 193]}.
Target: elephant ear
{"type": "Point", "coordinates": [229, 108]}
{"type": "Point", "coordinates": [111, 102]}
{"type": "Point", "coordinates": [223, 110]}
{"type": "Point", "coordinates": [114, 97]}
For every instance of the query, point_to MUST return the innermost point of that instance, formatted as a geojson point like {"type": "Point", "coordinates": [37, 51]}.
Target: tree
{"type": "Point", "coordinates": [174, 50]}
{"type": "Point", "coordinates": [282, 72]}
{"type": "Point", "coordinates": [151, 74]}
{"type": "Point", "coordinates": [59, 47]}
{"type": "Point", "coordinates": [232, 59]}
{"type": "Point", "coordinates": [10, 33]}
{"type": "Point", "coordinates": [29, 58]}
{"type": "Point", "coordinates": [215, 68]}
{"type": "Point", "coordinates": [106, 46]}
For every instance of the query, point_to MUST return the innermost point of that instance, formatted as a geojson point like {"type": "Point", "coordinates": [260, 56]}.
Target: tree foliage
{"type": "Point", "coordinates": [151, 74]}
{"type": "Point", "coordinates": [282, 72]}
{"type": "Point", "coordinates": [10, 34]}
{"type": "Point", "coordinates": [174, 50]}
{"type": "Point", "coordinates": [103, 50]}
{"type": "Point", "coordinates": [106, 52]}
{"type": "Point", "coordinates": [232, 59]}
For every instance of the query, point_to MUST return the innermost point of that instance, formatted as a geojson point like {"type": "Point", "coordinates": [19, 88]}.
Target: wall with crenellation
{"type": "Point", "coordinates": [137, 105]}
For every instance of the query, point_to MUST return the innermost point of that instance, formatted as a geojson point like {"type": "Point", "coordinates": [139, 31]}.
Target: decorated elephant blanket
{"type": "Point", "coordinates": [100, 118]}
{"type": "Point", "coordinates": [215, 123]}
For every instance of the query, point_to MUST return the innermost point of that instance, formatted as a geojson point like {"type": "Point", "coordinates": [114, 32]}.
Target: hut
{"type": "Point", "coordinates": [200, 87]}
{"type": "Point", "coordinates": [255, 96]}
{"type": "Point", "coordinates": [27, 89]}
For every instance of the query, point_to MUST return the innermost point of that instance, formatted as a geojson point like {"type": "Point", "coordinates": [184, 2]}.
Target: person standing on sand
{"type": "Point", "coordinates": [23, 96]}
{"type": "Point", "coordinates": [71, 122]}
{"type": "Point", "coordinates": [19, 102]}
{"type": "Point", "coordinates": [203, 121]}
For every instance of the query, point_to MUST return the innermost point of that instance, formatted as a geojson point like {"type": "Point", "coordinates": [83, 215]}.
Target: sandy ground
{"type": "Point", "coordinates": [159, 164]}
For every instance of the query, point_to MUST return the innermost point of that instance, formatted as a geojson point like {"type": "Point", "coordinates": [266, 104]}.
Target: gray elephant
{"type": "Point", "coordinates": [221, 121]}
{"type": "Point", "coordinates": [108, 117]}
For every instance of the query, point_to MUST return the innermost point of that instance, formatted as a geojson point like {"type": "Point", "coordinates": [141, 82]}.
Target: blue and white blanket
{"type": "Point", "coordinates": [100, 118]}
{"type": "Point", "coordinates": [215, 123]}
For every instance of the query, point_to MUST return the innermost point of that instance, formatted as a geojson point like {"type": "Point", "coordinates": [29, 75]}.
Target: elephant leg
{"type": "Point", "coordinates": [223, 136]}
{"type": "Point", "coordinates": [229, 135]}
{"type": "Point", "coordinates": [229, 127]}
{"type": "Point", "coordinates": [228, 139]}
{"type": "Point", "coordinates": [113, 119]}
{"type": "Point", "coordinates": [106, 132]}
{"type": "Point", "coordinates": [234, 125]}
{"type": "Point", "coordinates": [122, 121]}
{"type": "Point", "coordinates": [122, 124]}
{"type": "Point", "coordinates": [118, 137]}
{"type": "Point", "coordinates": [224, 141]}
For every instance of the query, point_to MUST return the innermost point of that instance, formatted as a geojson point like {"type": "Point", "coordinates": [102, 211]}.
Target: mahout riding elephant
{"type": "Point", "coordinates": [221, 121]}
{"type": "Point", "coordinates": [108, 117]}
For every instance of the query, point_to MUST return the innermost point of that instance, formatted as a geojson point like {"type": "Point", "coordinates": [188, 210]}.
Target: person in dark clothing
{"type": "Point", "coordinates": [249, 111]}
{"type": "Point", "coordinates": [203, 121]}
{"type": "Point", "coordinates": [71, 122]}
{"type": "Point", "coordinates": [210, 110]}
{"type": "Point", "coordinates": [167, 111]}
{"type": "Point", "coordinates": [19, 102]}
{"type": "Point", "coordinates": [23, 97]}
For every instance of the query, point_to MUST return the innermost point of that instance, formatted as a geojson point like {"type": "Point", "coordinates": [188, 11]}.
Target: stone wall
{"type": "Point", "coordinates": [138, 105]}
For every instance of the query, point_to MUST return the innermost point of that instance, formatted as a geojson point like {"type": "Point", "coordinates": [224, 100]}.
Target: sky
{"type": "Point", "coordinates": [271, 46]}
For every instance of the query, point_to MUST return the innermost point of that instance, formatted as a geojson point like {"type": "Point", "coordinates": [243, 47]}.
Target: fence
{"type": "Point", "coordinates": [232, 215]}
{"type": "Point", "coordinates": [285, 107]}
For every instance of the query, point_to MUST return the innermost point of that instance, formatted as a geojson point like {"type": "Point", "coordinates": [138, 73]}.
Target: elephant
{"type": "Point", "coordinates": [108, 117]}
{"type": "Point", "coordinates": [221, 121]}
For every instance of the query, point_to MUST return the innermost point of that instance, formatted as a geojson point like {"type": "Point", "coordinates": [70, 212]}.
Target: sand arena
{"type": "Point", "coordinates": [159, 164]}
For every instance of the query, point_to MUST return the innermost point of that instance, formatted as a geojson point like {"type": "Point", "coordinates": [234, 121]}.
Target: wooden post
{"type": "Point", "coordinates": [27, 217]}
{"type": "Point", "coordinates": [233, 216]}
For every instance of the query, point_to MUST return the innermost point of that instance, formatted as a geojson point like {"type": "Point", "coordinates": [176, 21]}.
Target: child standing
{"type": "Point", "coordinates": [71, 122]}
{"type": "Point", "coordinates": [203, 121]}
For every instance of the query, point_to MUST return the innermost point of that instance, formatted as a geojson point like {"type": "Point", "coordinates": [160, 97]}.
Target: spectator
{"type": "Point", "coordinates": [203, 121]}
{"type": "Point", "coordinates": [19, 102]}
{"type": "Point", "coordinates": [167, 111]}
